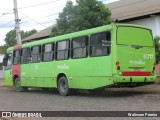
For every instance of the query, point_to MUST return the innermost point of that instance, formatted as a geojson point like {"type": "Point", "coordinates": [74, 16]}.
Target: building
{"type": "Point", "coordinates": [140, 12]}
{"type": "Point", "coordinates": [39, 35]}
{"type": "Point", "coordinates": [1, 66]}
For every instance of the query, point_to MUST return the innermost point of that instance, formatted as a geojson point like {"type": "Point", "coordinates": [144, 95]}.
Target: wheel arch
{"type": "Point", "coordinates": [14, 78]}
{"type": "Point", "coordinates": [59, 76]}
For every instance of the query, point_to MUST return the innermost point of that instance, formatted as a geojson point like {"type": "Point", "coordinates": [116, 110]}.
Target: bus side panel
{"type": "Point", "coordinates": [8, 78]}
{"type": "Point", "coordinates": [16, 69]}
{"type": "Point", "coordinates": [25, 76]}
{"type": "Point", "coordinates": [8, 70]}
{"type": "Point", "coordinates": [75, 71]}
{"type": "Point", "coordinates": [42, 75]}
{"type": "Point", "coordinates": [100, 71]}
{"type": "Point", "coordinates": [87, 73]}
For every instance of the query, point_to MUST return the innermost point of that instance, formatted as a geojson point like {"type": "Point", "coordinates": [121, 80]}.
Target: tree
{"type": "Point", "coordinates": [10, 38]}
{"type": "Point", "coordinates": [28, 33]}
{"type": "Point", "coordinates": [64, 21]}
{"type": "Point", "coordinates": [85, 15]}
{"type": "Point", "coordinates": [3, 49]}
{"type": "Point", "coordinates": [157, 48]}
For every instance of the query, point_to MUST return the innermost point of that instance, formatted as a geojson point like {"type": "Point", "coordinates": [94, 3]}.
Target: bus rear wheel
{"type": "Point", "coordinates": [18, 87]}
{"type": "Point", "coordinates": [63, 87]}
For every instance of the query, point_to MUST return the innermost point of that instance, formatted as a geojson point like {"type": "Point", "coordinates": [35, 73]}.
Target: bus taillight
{"type": "Point", "coordinates": [154, 67]}
{"type": "Point", "coordinates": [118, 65]}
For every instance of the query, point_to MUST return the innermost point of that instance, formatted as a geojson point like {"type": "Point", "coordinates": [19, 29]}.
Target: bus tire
{"type": "Point", "coordinates": [18, 87]}
{"type": "Point", "coordinates": [63, 87]}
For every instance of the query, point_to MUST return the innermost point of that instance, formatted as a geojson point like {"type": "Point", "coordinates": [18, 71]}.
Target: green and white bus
{"type": "Point", "coordinates": [115, 55]}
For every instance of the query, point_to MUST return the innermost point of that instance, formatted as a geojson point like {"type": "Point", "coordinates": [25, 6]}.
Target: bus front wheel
{"type": "Point", "coordinates": [63, 86]}
{"type": "Point", "coordinates": [17, 86]}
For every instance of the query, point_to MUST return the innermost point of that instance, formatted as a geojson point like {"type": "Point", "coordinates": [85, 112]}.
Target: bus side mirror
{"type": "Point", "coordinates": [4, 61]}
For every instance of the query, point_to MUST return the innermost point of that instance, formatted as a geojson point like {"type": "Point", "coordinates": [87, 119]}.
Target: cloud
{"type": "Point", "coordinates": [38, 17]}
{"type": "Point", "coordinates": [31, 13]}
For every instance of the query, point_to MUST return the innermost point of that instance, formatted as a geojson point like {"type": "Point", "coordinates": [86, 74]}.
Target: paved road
{"type": "Point", "coordinates": [133, 99]}
{"type": "Point", "coordinates": [143, 98]}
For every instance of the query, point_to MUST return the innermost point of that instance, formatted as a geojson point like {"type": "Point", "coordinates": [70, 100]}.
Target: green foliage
{"type": "Point", "coordinates": [157, 48]}
{"type": "Point", "coordinates": [28, 33]}
{"type": "Point", "coordinates": [10, 38]}
{"type": "Point", "coordinates": [3, 49]}
{"type": "Point", "coordinates": [85, 14]}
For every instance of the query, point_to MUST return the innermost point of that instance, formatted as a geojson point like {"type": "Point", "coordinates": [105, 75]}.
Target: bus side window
{"type": "Point", "coordinates": [9, 60]}
{"type": "Point", "coordinates": [25, 56]}
{"type": "Point", "coordinates": [62, 50]}
{"type": "Point", "coordinates": [100, 44]}
{"type": "Point", "coordinates": [17, 57]}
{"type": "Point", "coordinates": [36, 54]}
{"type": "Point", "coordinates": [48, 52]}
{"type": "Point", "coordinates": [79, 47]}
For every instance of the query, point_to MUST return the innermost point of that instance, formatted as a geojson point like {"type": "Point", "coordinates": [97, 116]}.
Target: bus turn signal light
{"type": "Point", "coordinates": [154, 67]}
{"type": "Point", "coordinates": [118, 65]}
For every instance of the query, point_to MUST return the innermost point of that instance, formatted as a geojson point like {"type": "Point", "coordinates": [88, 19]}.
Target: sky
{"type": "Point", "coordinates": [34, 14]}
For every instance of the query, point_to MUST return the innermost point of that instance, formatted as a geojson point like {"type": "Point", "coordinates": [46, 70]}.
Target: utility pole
{"type": "Point", "coordinates": [17, 26]}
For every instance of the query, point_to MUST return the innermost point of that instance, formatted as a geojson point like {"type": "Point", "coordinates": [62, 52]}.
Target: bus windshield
{"type": "Point", "coordinates": [134, 36]}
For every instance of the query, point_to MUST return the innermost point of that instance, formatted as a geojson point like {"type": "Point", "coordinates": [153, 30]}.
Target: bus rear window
{"type": "Point", "coordinates": [134, 36]}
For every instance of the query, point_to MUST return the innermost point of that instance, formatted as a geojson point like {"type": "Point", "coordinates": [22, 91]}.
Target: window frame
{"type": "Point", "coordinates": [28, 56]}
{"type": "Point", "coordinates": [56, 50]}
{"type": "Point", "coordinates": [38, 55]}
{"type": "Point", "coordinates": [9, 55]}
{"type": "Point", "coordinates": [86, 46]}
{"type": "Point", "coordinates": [90, 46]}
{"type": "Point", "coordinates": [51, 52]}
{"type": "Point", "coordinates": [14, 56]}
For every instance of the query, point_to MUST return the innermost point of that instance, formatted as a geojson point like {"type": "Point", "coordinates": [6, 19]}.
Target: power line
{"type": "Point", "coordinates": [49, 15]}
{"type": "Point", "coordinates": [52, 9]}
{"type": "Point", "coordinates": [43, 11]}
{"type": "Point", "coordinates": [43, 23]}
{"type": "Point", "coordinates": [46, 23]}
{"type": "Point", "coordinates": [3, 14]}
{"type": "Point", "coordinates": [38, 4]}
{"type": "Point", "coordinates": [23, 22]}
{"type": "Point", "coordinates": [57, 7]}
{"type": "Point", "coordinates": [4, 25]}
{"type": "Point", "coordinates": [32, 19]}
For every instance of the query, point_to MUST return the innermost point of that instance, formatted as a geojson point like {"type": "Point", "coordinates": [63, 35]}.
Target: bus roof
{"type": "Point", "coordinates": [71, 35]}
{"type": "Point", "coordinates": [133, 25]}
{"type": "Point", "coordinates": [76, 34]}
{"type": "Point", "coordinates": [10, 49]}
